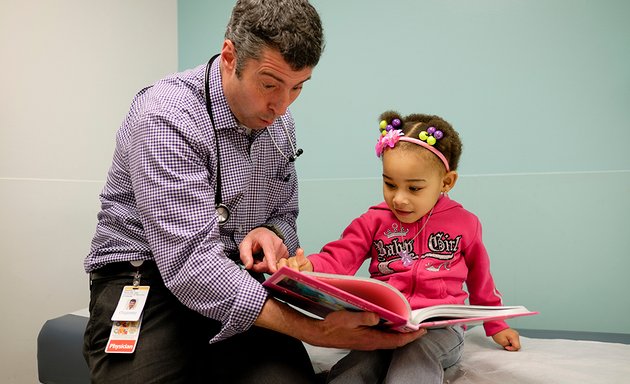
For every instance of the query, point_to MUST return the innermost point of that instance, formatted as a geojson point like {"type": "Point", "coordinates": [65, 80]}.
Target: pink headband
{"type": "Point", "coordinates": [429, 147]}
{"type": "Point", "coordinates": [392, 136]}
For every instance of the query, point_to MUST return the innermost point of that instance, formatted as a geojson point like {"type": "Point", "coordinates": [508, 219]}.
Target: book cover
{"type": "Point", "coordinates": [322, 293]}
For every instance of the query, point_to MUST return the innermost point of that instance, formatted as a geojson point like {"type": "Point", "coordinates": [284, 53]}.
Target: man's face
{"type": "Point", "coordinates": [265, 88]}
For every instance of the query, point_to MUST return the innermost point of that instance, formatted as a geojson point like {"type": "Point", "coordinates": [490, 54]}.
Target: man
{"type": "Point", "coordinates": [201, 198]}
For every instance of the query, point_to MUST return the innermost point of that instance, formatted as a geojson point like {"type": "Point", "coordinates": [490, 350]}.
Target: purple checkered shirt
{"type": "Point", "coordinates": [158, 201]}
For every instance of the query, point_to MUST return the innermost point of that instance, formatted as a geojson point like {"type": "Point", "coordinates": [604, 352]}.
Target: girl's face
{"type": "Point", "coordinates": [412, 182]}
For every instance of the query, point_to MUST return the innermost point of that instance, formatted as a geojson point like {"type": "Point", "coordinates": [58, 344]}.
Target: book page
{"type": "Point", "coordinates": [318, 296]}
{"type": "Point", "coordinates": [372, 290]}
{"type": "Point", "coordinates": [312, 300]}
{"type": "Point", "coordinates": [462, 313]}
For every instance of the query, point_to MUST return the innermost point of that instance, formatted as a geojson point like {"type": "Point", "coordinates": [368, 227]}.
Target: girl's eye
{"type": "Point", "coordinates": [414, 189]}
{"type": "Point", "coordinates": [389, 185]}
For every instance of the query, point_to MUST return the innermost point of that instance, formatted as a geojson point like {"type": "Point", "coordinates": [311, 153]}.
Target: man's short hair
{"type": "Point", "coordinates": [292, 27]}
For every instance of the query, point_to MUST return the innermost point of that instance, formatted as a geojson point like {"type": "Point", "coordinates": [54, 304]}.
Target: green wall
{"type": "Point", "coordinates": [540, 93]}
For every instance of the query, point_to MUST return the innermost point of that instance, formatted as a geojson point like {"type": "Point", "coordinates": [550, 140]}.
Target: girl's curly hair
{"type": "Point", "coordinates": [450, 144]}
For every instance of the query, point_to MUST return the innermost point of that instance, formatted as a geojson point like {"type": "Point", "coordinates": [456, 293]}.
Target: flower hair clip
{"type": "Point", "coordinates": [431, 135]}
{"type": "Point", "coordinates": [390, 134]}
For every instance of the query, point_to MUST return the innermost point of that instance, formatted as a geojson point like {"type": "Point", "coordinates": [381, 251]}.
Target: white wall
{"type": "Point", "coordinates": [68, 71]}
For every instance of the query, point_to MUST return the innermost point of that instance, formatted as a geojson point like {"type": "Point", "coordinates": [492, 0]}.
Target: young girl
{"type": "Point", "coordinates": [421, 242]}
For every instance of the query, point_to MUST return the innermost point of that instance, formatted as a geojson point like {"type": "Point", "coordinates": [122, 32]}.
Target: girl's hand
{"type": "Point", "coordinates": [508, 339]}
{"type": "Point", "coordinates": [299, 262]}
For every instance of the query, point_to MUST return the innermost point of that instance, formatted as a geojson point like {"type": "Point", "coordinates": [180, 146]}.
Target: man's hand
{"type": "Point", "coordinates": [262, 241]}
{"type": "Point", "coordinates": [355, 330]}
{"type": "Point", "coordinates": [341, 329]}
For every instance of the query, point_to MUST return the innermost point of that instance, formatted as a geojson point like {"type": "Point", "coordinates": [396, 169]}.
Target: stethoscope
{"type": "Point", "coordinates": [223, 212]}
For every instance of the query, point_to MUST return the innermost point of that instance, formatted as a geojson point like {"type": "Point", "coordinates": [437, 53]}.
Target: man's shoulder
{"type": "Point", "coordinates": [175, 94]}
{"type": "Point", "coordinates": [181, 85]}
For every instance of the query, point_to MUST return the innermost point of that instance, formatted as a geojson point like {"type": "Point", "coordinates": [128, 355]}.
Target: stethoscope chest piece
{"type": "Point", "coordinates": [223, 213]}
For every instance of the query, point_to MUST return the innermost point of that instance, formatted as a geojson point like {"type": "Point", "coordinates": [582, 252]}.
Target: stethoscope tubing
{"type": "Point", "coordinates": [223, 212]}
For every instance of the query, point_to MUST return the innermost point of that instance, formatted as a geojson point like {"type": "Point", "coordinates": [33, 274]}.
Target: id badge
{"type": "Point", "coordinates": [131, 303]}
{"type": "Point", "coordinates": [124, 337]}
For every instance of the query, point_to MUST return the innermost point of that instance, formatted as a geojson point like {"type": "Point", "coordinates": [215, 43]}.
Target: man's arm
{"type": "Point", "coordinates": [341, 329]}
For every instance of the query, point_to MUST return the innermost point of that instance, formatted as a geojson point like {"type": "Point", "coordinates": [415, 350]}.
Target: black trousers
{"type": "Point", "coordinates": [173, 344]}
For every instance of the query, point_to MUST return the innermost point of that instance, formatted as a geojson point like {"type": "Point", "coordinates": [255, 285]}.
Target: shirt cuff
{"type": "Point", "coordinates": [494, 327]}
{"type": "Point", "coordinates": [273, 229]}
{"type": "Point", "coordinates": [249, 303]}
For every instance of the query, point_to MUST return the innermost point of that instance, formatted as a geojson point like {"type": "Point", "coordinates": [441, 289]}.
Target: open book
{"type": "Point", "coordinates": [322, 293]}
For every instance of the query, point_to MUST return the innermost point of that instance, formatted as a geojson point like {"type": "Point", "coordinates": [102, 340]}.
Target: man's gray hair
{"type": "Point", "coordinates": [292, 27]}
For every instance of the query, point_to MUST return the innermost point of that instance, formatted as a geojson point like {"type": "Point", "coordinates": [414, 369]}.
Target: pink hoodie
{"type": "Point", "coordinates": [446, 254]}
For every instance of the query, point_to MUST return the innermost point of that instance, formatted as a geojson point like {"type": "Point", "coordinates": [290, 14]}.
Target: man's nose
{"type": "Point", "coordinates": [281, 103]}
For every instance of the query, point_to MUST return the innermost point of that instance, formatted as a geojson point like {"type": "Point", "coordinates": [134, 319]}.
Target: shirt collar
{"type": "Point", "coordinates": [223, 116]}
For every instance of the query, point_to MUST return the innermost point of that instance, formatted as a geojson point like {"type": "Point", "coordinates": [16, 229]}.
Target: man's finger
{"type": "Point", "coordinates": [245, 251]}
{"type": "Point", "coordinates": [269, 260]}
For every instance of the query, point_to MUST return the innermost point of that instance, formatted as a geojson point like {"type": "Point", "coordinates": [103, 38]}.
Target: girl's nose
{"type": "Point", "coordinates": [399, 200]}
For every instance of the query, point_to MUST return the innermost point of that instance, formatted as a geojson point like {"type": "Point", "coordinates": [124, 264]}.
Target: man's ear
{"type": "Point", "coordinates": [228, 56]}
{"type": "Point", "coordinates": [449, 180]}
